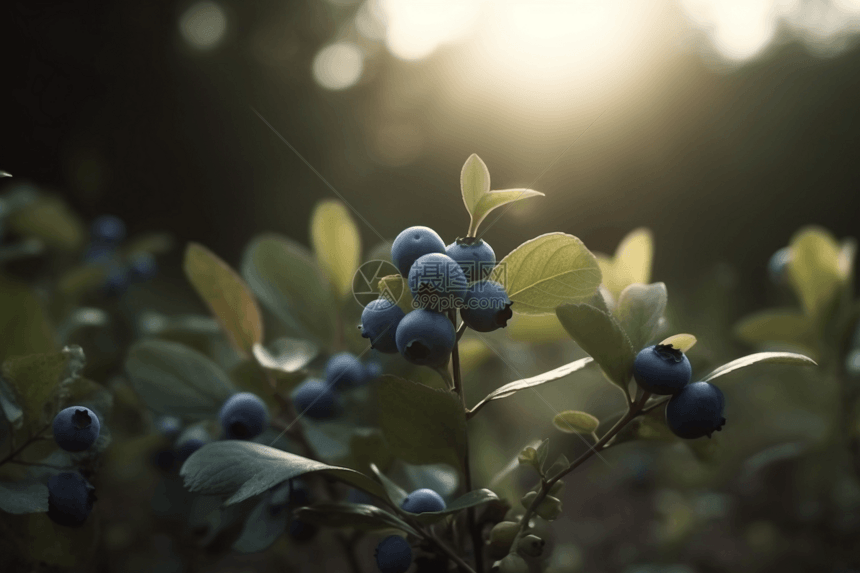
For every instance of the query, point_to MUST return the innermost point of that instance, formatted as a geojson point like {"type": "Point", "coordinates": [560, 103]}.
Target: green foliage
{"type": "Point", "coordinates": [573, 422]}
{"type": "Point", "coordinates": [353, 515]}
{"type": "Point", "coordinates": [227, 297]}
{"type": "Point", "coordinates": [600, 335]}
{"type": "Point", "coordinates": [760, 358]}
{"type": "Point", "coordinates": [546, 272]}
{"type": "Point", "coordinates": [49, 219]}
{"type": "Point", "coordinates": [242, 470]}
{"type": "Point", "coordinates": [631, 263]}
{"type": "Point", "coordinates": [422, 425]}
{"type": "Point", "coordinates": [683, 342]}
{"type": "Point", "coordinates": [23, 314]}
{"type": "Point", "coordinates": [174, 380]}
{"type": "Point", "coordinates": [639, 310]}
{"type": "Point", "coordinates": [394, 288]}
{"type": "Point", "coordinates": [23, 497]}
{"type": "Point", "coordinates": [336, 244]}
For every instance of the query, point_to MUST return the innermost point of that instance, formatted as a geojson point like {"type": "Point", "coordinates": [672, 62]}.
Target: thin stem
{"type": "Point", "coordinates": [634, 409]}
{"type": "Point", "coordinates": [477, 542]}
{"type": "Point", "coordinates": [460, 331]}
{"type": "Point", "coordinates": [447, 551]}
{"type": "Point", "coordinates": [16, 451]}
{"type": "Point", "coordinates": [655, 405]}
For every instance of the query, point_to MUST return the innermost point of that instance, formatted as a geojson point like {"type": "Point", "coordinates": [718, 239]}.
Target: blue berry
{"type": "Point", "coordinates": [344, 370]}
{"type": "Point", "coordinates": [475, 257]}
{"type": "Point", "coordinates": [696, 411]}
{"type": "Point", "coordinates": [372, 371]}
{"type": "Point", "coordinates": [108, 229]}
{"type": "Point", "coordinates": [379, 321]}
{"type": "Point", "coordinates": [777, 266]}
{"type": "Point", "coordinates": [423, 500]}
{"type": "Point", "coordinates": [313, 398]}
{"type": "Point", "coordinates": [437, 282]}
{"type": "Point", "coordinates": [99, 254]}
{"type": "Point", "coordinates": [662, 369]}
{"type": "Point", "coordinates": [244, 416]}
{"type": "Point", "coordinates": [486, 307]}
{"type": "Point", "coordinates": [76, 428]}
{"type": "Point", "coordinates": [188, 447]}
{"type": "Point", "coordinates": [117, 280]}
{"type": "Point", "coordinates": [168, 426]}
{"type": "Point", "coordinates": [413, 243]}
{"type": "Point", "coordinates": [70, 499]}
{"type": "Point", "coordinates": [393, 555]}
{"type": "Point", "coordinates": [425, 338]}
{"type": "Point", "coordinates": [143, 267]}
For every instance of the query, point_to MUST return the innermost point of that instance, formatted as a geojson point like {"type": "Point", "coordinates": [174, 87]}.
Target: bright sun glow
{"type": "Point", "coordinates": [338, 66]}
{"type": "Point", "coordinates": [416, 28]}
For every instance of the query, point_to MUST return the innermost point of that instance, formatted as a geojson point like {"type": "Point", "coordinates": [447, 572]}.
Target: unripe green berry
{"type": "Point", "coordinates": [531, 545]}
{"type": "Point", "coordinates": [528, 499]}
{"type": "Point", "coordinates": [512, 563]}
{"type": "Point", "coordinates": [504, 532]}
{"type": "Point", "coordinates": [549, 508]}
{"type": "Point", "coordinates": [557, 488]}
{"type": "Point", "coordinates": [515, 514]}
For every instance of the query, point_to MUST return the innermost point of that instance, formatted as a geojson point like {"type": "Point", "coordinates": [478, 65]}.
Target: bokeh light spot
{"type": "Point", "coordinates": [338, 66]}
{"type": "Point", "coordinates": [203, 25]}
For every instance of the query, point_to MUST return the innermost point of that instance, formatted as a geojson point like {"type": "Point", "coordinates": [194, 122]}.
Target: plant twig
{"type": "Point", "coordinates": [23, 446]}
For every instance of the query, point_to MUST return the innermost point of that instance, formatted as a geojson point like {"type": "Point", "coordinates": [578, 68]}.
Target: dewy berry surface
{"type": "Point", "coordinates": [413, 243]}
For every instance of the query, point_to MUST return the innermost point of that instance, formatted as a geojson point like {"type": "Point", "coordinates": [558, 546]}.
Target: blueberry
{"type": "Point", "coordinates": [99, 254]}
{"type": "Point", "coordinates": [244, 416]}
{"type": "Point", "coordinates": [108, 229]}
{"type": "Point", "coordinates": [486, 307]}
{"type": "Point", "coordinates": [425, 338]}
{"type": "Point", "coordinates": [314, 398]}
{"type": "Point", "coordinates": [372, 371]}
{"type": "Point", "coordinates": [379, 321]}
{"type": "Point", "coordinates": [70, 499]}
{"type": "Point", "coordinates": [475, 257]}
{"type": "Point", "coordinates": [76, 428]}
{"type": "Point", "coordinates": [662, 369]}
{"type": "Point", "coordinates": [423, 500]}
{"type": "Point", "coordinates": [344, 370]}
{"type": "Point", "coordinates": [393, 555]}
{"type": "Point", "coordinates": [696, 411]}
{"type": "Point", "coordinates": [168, 426]}
{"type": "Point", "coordinates": [413, 243]}
{"type": "Point", "coordinates": [777, 266]}
{"type": "Point", "coordinates": [437, 282]}
{"type": "Point", "coordinates": [188, 447]}
{"type": "Point", "coordinates": [143, 267]}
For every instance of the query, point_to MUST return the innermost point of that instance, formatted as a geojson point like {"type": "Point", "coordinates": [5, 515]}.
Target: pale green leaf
{"type": "Point", "coordinates": [573, 422]}
{"type": "Point", "coordinates": [474, 182]}
{"type": "Point", "coordinates": [631, 263]}
{"type": "Point", "coordinates": [546, 272]}
{"type": "Point", "coordinates": [814, 269]}
{"type": "Point", "coordinates": [358, 516]}
{"type": "Point", "coordinates": [787, 326]}
{"type": "Point", "coordinates": [683, 342]}
{"type": "Point", "coordinates": [336, 243]}
{"type": "Point", "coordinates": [395, 289]}
{"type": "Point", "coordinates": [287, 355]}
{"type": "Point", "coordinates": [495, 199]}
{"type": "Point", "coordinates": [639, 310]}
{"type": "Point", "coordinates": [760, 358]}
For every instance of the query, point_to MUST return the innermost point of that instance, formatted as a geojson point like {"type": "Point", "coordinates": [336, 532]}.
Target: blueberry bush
{"type": "Point", "coordinates": [338, 403]}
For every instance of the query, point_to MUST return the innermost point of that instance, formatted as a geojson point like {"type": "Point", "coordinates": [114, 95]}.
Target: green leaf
{"type": "Point", "coordinates": [536, 328]}
{"type": "Point", "coordinates": [494, 200]}
{"type": "Point", "coordinates": [37, 380]}
{"type": "Point", "coordinates": [471, 499]}
{"type": "Point", "coordinates": [546, 272]}
{"type": "Point", "coordinates": [261, 528]}
{"type": "Point", "coordinates": [787, 326]}
{"type": "Point", "coordinates": [683, 342]}
{"type": "Point", "coordinates": [380, 252]}
{"type": "Point", "coordinates": [558, 466]}
{"type": "Point", "coordinates": [573, 422]}
{"type": "Point", "coordinates": [23, 497]}
{"type": "Point", "coordinates": [287, 355]}
{"type": "Point", "coordinates": [474, 182]}
{"type": "Point", "coordinates": [441, 478]}
{"type": "Point", "coordinates": [631, 263]}
{"type": "Point", "coordinates": [9, 406]}
{"type": "Point", "coordinates": [394, 288]}
{"type": "Point", "coordinates": [175, 380]}
{"type": "Point", "coordinates": [814, 269]}
{"type": "Point", "coordinates": [542, 452]}
{"type": "Point", "coordinates": [639, 310]}
{"type": "Point", "coordinates": [394, 493]}
{"type": "Point", "coordinates": [355, 515]}
{"type": "Point", "coordinates": [243, 469]}
{"type": "Point", "coordinates": [529, 457]}
{"type": "Point", "coordinates": [22, 313]}
{"type": "Point", "coordinates": [227, 296]}
{"type": "Point", "coordinates": [50, 220]}
{"type": "Point", "coordinates": [336, 243]}
{"type": "Point", "coordinates": [600, 335]}
{"type": "Point", "coordinates": [513, 387]}
{"type": "Point", "coordinates": [761, 357]}
{"type": "Point", "coordinates": [651, 426]}
{"type": "Point", "coordinates": [156, 243]}
{"type": "Point", "coordinates": [367, 447]}
{"type": "Point", "coordinates": [423, 425]}
{"type": "Point", "coordinates": [286, 279]}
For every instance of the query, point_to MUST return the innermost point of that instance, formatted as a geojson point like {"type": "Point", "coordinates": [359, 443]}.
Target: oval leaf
{"type": "Point", "coordinates": [761, 357]}
{"type": "Point", "coordinates": [356, 515]}
{"type": "Point", "coordinates": [227, 296]}
{"type": "Point", "coordinates": [639, 310]}
{"type": "Point", "coordinates": [243, 469]}
{"type": "Point", "coordinates": [474, 182]}
{"type": "Point", "coordinates": [395, 493]}
{"type": "Point", "coordinates": [573, 422]}
{"type": "Point", "coordinates": [286, 279]}
{"type": "Point", "coordinates": [787, 326]}
{"type": "Point", "coordinates": [50, 219]}
{"type": "Point", "coordinates": [546, 272]}
{"type": "Point", "coordinates": [495, 199]}
{"type": "Point", "coordinates": [631, 263]}
{"type": "Point", "coordinates": [683, 342]}
{"type": "Point", "coordinates": [336, 243]}
{"type": "Point", "coordinates": [471, 499]}
{"type": "Point", "coordinates": [394, 288]}
{"type": "Point", "coordinates": [261, 528]}
{"type": "Point", "coordinates": [422, 425]}
{"type": "Point", "coordinates": [175, 380]}
{"type": "Point", "coordinates": [23, 497]}
{"type": "Point", "coordinates": [814, 269]}
{"type": "Point", "coordinates": [513, 387]}
{"type": "Point", "coordinates": [600, 335]}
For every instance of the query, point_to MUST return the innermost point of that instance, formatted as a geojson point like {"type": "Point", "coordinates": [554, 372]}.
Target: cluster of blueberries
{"type": "Point", "coordinates": [70, 495]}
{"type": "Point", "coordinates": [318, 398]}
{"type": "Point", "coordinates": [440, 278]}
{"type": "Point", "coordinates": [694, 410]}
{"type": "Point", "coordinates": [394, 554]}
{"type": "Point", "coordinates": [106, 234]}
